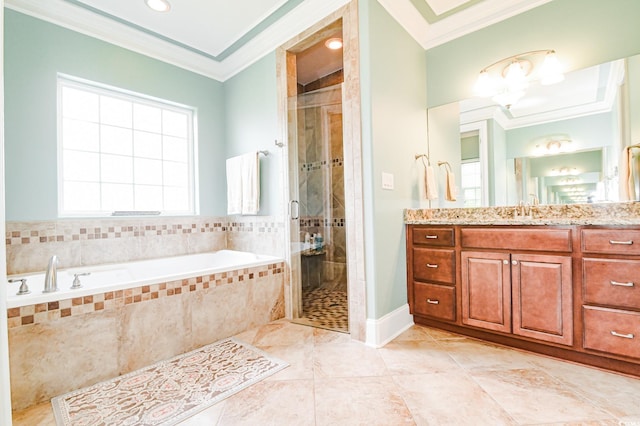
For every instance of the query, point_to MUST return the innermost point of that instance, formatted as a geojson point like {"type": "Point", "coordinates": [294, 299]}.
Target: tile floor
{"type": "Point", "coordinates": [325, 308]}
{"type": "Point", "coordinates": [424, 377]}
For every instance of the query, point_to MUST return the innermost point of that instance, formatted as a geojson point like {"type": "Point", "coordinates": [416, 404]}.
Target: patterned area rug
{"type": "Point", "coordinates": [170, 391]}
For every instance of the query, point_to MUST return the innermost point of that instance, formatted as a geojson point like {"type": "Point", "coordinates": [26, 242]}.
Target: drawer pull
{"type": "Point", "coordinates": [431, 265]}
{"type": "Point", "coordinates": [626, 336]}
{"type": "Point", "coordinates": [621, 284]}
{"type": "Point", "coordinates": [431, 237]}
{"type": "Point", "coordinates": [433, 302]}
{"type": "Point", "coordinates": [624, 243]}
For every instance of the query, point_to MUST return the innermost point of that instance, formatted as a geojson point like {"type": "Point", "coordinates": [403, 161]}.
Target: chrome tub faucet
{"type": "Point", "coordinates": [51, 276]}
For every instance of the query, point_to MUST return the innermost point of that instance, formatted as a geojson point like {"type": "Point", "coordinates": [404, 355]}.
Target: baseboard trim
{"type": "Point", "coordinates": [383, 330]}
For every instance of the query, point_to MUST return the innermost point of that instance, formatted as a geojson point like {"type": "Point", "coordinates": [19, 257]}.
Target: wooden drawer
{"type": "Point", "coordinates": [612, 282]}
{"type": "Point", "coordinates": [434, 265]}
{"type": "Point", "coordinates": [612, 331]}
{"type": "Point", "coordinates": [616, 241]}
{"type": "Point", "coordinates": [556, 240]}
{"type": "Point", "coordinates": [433, 236]}
{"type": "Point", "coordinates": [434, 300]}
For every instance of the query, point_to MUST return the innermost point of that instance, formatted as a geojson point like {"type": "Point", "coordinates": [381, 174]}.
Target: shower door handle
{"type": "Point", "coordinates": [295, 203]}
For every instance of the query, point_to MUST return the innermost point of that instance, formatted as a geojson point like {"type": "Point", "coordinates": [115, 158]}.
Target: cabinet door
{"type": "Point", "coordinates": [542, 301]}
{"type": "Point", "coordinates": [486, 290]}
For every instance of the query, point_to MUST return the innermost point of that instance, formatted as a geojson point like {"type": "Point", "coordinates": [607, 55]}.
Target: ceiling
{"type": "Point", "coordinates": [219, 38]}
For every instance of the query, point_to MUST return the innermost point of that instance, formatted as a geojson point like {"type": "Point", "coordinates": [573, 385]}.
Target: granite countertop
{"type": "Point", "coordinates": [561, 214]}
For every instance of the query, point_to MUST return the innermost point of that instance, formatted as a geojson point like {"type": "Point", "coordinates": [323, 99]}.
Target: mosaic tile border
{"type": "Point", "coordinates": [50, 311]}
{"type": "Point", "coordinates": [62, 231]}
{"type": "Point", "coordinates": [320, 221]}
{"type": "Point", "coordinates": [317, 165]}
{"type": "Point", "coordinates": [23, 233]}
{"type": "Point", "coordinates": [266, 227]}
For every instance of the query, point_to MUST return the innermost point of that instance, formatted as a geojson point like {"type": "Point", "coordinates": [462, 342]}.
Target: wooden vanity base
{"type": "Point", "coordinates": [569, 292]}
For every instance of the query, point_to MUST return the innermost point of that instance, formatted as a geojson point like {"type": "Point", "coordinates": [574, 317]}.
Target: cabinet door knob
{"type": "Point", "coordinates": [625, 243]}
{"type": "Point", "coordinates": [506, 262]}
{"type": "Point", "coordinates": [433, 302]}
{"type": "Point", "coordinates": [629, 284]}
{"type": "Point", "coordinates": [514, 262]}
{"type": "Point", "coordinates": [431, 237]}
{"type": "Point", "coordinates": [626, 336]}
{"type": "Point", "coordinates": [431, 265]}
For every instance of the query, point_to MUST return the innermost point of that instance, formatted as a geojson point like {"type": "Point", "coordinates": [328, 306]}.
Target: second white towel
{"type": "Point", "coordinates": [243, 184]}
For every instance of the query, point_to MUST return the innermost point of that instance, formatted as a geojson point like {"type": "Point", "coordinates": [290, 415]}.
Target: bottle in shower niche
{"type": "Point", "coordinates": [318, 242]}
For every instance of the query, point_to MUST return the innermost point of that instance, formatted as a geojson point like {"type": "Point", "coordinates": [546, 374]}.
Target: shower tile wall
{"type": "Point", "coordinates": [321, 188]}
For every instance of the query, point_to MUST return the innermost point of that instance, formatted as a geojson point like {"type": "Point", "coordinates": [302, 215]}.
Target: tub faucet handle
{"type": "Point", "coordinates": [76, 280]}
{"type": "Point", "coordinates": [24, 288]}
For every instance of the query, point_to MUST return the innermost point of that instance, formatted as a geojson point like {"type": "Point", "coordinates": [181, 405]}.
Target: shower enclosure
{"type": "Point", "coordinates": [317, 163]}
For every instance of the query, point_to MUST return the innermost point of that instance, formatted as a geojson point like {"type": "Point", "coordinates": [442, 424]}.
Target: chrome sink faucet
{"type": "Point", "coordinates": [51, 276]}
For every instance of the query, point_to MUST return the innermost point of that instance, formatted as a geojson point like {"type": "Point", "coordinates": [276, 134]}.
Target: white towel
{"type": "Point", "coordinates": [234, 185]}
{"type": "Point", "coordinates": [452, 191]}
{"type": "Point", "coordinates": [250, 183]}
{"type": "Point", "coordinates": [430, 183]}
{"type": "Point", "coordinates": [243, 184]}
{"type": "Point", "coordinates": [627, 187]}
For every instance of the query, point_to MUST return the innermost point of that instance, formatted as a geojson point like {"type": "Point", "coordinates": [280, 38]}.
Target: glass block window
{"type": "Point", "coordinates": [122, 153]}
{"type": "Point", "coordinates": [470, 181]}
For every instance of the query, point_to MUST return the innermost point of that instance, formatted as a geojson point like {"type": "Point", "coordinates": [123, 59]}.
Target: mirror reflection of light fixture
{"type": "Point", "coordinates": [553, 146]}
{"type": "Point", "coordinates": [334, 43]}
{"type": "Point", "coordinates": [158, 5]}
{"type": "Point", "coordinates": [565, 171]}
{"type": "Point", "coordinates": [506, 80]}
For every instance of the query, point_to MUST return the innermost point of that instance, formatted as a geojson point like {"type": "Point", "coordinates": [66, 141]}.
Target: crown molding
{"type": "Point", "coordinates": [293, 23]}
{"type": "Point", "coordinates": [466, 21]}
{"type": "Point", "coordinates": [67, 15]}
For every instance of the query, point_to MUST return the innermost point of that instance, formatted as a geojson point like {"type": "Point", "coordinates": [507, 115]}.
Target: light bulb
{"type": "Point", "coordinates": [485, 86]}
{"type": "Point", "coordinates": [515, 78]}
{"type": "Point", "coordinates": [551, 70]}
{"type": "Point", "coordinates": [333, 43]}
{"type": "Point", "coordinates": [158, 5]}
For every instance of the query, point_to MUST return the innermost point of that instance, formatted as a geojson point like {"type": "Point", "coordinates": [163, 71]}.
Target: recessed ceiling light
{"type": "Point", "coordinates": [334, 43]}
{"type": "Point", "coordinates": [158, 5]}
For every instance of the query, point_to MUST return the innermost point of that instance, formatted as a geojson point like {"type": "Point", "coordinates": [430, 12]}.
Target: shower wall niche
{"type": "Point", "coordinates": [321, 186]}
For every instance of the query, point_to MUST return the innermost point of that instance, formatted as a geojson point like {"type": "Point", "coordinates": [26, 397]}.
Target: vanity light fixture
{"type": "Point", "coordinates": [565, 171]}
{"type": "Point", "coordinates": [507, 80]}
{"type": "Point", "coordinates": [158, 5]}
{"type": "Point", "coordinates": [334, 43]}
{"type": "Point", "coordinates": [553, 145]}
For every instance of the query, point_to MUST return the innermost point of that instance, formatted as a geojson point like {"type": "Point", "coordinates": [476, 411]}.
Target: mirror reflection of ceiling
{"type": "Point", "coordinates": [588, 91]}
{"type": "Point", "coordinates": [219, 38]}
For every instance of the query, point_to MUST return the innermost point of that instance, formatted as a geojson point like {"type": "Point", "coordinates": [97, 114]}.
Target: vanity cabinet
{"type": "Point", "coordinates": [525, 294]}
{"type": "Point", "coordinates": [566, 291]}
{"type": "Point", "coordinates": [611, 297]}
{"type": "Point", "coordinates": [432, 271]}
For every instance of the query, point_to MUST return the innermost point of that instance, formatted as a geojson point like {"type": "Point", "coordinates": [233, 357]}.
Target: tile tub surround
{"type": "Point", "coordinates": [88, 242]}
{"type": "Point", "coordinates": [556, 214]}
{"type": "Point", "coordinates": [105, 335]}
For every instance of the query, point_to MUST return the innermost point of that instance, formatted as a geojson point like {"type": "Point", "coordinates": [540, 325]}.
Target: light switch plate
{"type": "Point", "coordinates": [387, 180]}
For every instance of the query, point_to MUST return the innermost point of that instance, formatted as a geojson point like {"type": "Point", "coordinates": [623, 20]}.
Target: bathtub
{"type": "Point", "coordinates": [113, 277]}
{"type": "Point", "coordinates": [131, 315]}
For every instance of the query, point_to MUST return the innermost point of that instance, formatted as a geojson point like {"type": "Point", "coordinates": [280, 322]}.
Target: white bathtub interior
{"type": "Point", "coordinates": [112, 277]}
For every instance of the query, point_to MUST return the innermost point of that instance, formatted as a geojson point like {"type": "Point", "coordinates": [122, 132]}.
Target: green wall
{"type": "Point", "coordinates": [251, 123]}
{"type": "Point", "coordinates": [35, 51]}
{"type": "Point", "coordinates": [394, 130]}
{"type": "Point", "coordinates": [583, 33]}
